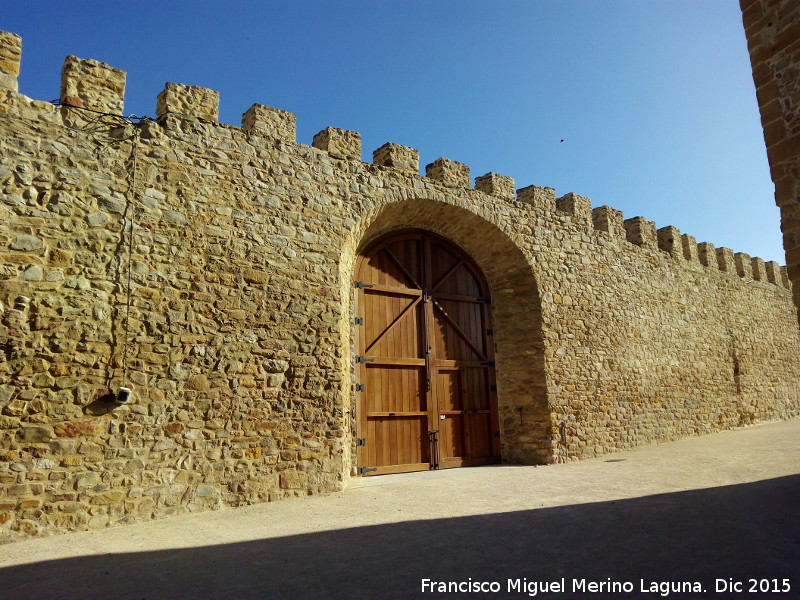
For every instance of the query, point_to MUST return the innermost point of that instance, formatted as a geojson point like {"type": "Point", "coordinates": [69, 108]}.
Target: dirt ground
{"type": "Point", "coordinates": [710, 517]}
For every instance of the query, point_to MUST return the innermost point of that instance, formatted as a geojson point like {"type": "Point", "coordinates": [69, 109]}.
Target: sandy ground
{"type": "Point", "coordinates": [703, 514]}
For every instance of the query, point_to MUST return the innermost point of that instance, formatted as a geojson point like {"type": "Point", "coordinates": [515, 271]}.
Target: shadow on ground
{"type": "Point", "coordinates": [740, 532]}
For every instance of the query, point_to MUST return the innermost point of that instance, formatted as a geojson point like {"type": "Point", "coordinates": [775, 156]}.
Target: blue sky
{"type": "Point", "coordinates": [654, 99]}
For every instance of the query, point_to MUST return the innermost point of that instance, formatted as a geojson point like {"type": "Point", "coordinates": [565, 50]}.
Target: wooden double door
{"type": "Point", "coordinates": [425, 358]}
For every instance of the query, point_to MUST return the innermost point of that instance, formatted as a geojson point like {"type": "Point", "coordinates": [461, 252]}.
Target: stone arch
{"type": "Point", "coordinates": [525, 417]}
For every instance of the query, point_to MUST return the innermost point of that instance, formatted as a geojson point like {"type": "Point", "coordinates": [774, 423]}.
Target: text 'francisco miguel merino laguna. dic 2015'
{"type": "Point", "coordinates": [575, 586]}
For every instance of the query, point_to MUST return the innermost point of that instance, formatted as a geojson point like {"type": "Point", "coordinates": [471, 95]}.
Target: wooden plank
{"type": "Point", "coordinates": [459, 298]}
{"type": "Point", "coordinates": [391, 360]}
{"type": "Point", "coordinates": [391, 325]}
{"type": "Point", "coordinates": [403, 268]}
{"type": "Point", "coordinates": [394, 469]}
{"type": "Point", "coordinates": [461, 363]}
{"type": "Point", "coordinates": [447, 274]}
{"type": "Point", "coordinates": [458, 330]}
{"type": "Point", "coordinates": [410, 413]}
{"type": "Point", "coordinates": [379, 288]}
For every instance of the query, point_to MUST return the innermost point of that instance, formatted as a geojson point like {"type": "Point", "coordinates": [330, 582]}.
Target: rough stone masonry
{"type": "Point", "coordinates": [772, 28]}
{"type": "Point", "coordinates": [210, 268]}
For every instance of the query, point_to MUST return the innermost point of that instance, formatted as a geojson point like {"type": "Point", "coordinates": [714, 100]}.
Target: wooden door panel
{"type": "Point", "coordinates": [395, 443]}
{"type": "Point", "coordinates": [392, 325]}
{"type": "Point", "coordinates": [448, 386]}
{"type": "Point", "coordinates": [459, 332]}
{"type": "Point", "coordinates": [459, 280]}
{"type": "Point", "coordinates": [480, 438]}
{"type": "Point", "coordinates": [394, 388]}
{"type": "Point", "coordinates": [477, 391]}
{"type": "Point", "coordinates": [396, 265]}
{"type": "Point", "coordinates": [426, 374]}
{"type": "Point", "coordinates": [396, 418]}
{"type": "Point", "coordinates": [451, 439]}
{"type": "Point", "coordinates": [450, 423]}
{"type": "Point", "coordinates": [442, 265]}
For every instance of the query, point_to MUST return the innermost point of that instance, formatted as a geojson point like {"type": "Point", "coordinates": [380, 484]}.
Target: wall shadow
{"type": "Point", "coordinates": [743, 531]}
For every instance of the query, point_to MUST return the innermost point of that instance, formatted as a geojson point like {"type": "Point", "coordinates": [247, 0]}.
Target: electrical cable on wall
{"type": "Point", "coordinates": [105, 128]}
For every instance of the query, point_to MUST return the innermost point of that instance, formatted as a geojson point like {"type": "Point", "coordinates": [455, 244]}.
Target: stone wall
{"type": "Point", "coordinates": [772, 28]}
{"type": "Point", "coordinates": [209, 267]}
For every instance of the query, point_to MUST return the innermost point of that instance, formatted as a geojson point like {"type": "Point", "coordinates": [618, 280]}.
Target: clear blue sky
{"type": "Point", "coordinates": [654, 99]}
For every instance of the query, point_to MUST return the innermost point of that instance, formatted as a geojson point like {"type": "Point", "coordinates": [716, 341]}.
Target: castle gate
{"type": "Point", "coordinates": [425, 357]}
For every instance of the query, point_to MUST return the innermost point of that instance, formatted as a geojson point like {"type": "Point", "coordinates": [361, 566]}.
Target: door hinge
{"type": "Point", "coordinates": [493, 388]}
{"type": "Point", "coordinates": [490, 332]}
{"type": "Point", "coordinates": [497, 434]}
{"type": "Point", "coordinates": [487, 363]}
{"type": "Point", "coordinates": [364, 359]}
{"type": "Point", "coordinates": [361, 441]}
{"type": "Point", "coordinates": [365, 470]}
{"type": "Point", "coordinates": [361, 284]}
{"type": "Point", "coordinates": [359, 320]}
{"type": "Point", "coordinates": [484, 300]}
{"type": "Point", "coordinates": [360, 387]}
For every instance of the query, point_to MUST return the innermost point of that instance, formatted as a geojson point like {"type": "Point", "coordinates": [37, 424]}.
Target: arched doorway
{"type": "Point", "coordinates": [425, 357]}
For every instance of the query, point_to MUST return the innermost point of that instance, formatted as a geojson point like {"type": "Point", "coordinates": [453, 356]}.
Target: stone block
{"type": "Point", "coordinates": [669, 240]}
{"type": "Point", "coordinates": [725, 260]}
{"type": "Point", "coordinates": [539, 197]}
{"type": "Point", "coordinates": [204, 490]}
{"type": "Point", "coordinates": [270, 122]}
{"type": "Point", "coordinates": [94, 85]}
{"type": "Point", "coordinates": [759, 269]}
{"type": "Point", "coordinates": [398, 157]}
{"type": "Point", "coordinates": [448, 172]}
{"type": "Point", "coordinates": [27, 243]}
{"type": "Point", "coordinates": [689, 246]}
{"type": "Point", "coordinates": [579, 207]}
{"type": "Point", "coordinates": [610, 220]}
{"type": "Point", "coordinates": [641, 232]}
{"type": "Point", "coordinates": [786, 281]}
{"type": "Point", "coordinates": [496, 185]}
{"type": "Point", "coordinates": [744, 265]}
{"type": "Point", "coordinates": [34, 435]}
{"type": "Point", "coordinates": [773, 270]}
{"type": "Point", "coordinates": [188, 100]}
{"type": "Point", "coordinates": [290, 480]}
{"type": "Point", "coordinates": [707, 254]}
{"type": "Point", "coordinates": [10, 56]}
{"type": "Point", "coordinates": [339, 143]}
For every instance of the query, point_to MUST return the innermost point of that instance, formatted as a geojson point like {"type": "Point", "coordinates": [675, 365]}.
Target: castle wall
{"type": "Point", "coordinates": [209, 267]}
{"type": "Point", "coordinates": [772, 28]}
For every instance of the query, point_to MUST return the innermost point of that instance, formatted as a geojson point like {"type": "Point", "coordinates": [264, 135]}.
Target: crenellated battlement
{"type": "Point", "coordinates": [93, 85]}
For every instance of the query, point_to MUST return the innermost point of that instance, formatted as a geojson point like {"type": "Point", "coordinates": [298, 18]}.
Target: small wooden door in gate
{"type": "Point", "coordinates": [425, 358]}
